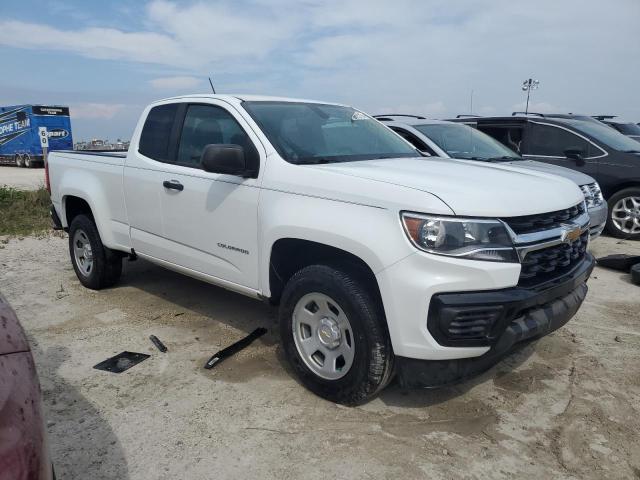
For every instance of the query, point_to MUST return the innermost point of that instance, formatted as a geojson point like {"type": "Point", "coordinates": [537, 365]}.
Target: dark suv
{"type": "Point", "coordinates": [626, 128]}
{"type": "Point", "coordinates": [583, 144]}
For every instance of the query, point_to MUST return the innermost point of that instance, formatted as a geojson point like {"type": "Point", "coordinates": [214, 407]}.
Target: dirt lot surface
{"type": "Point", "coordinates": [21, 178]}
{"type": "Point", "coordinates": [565, 407]}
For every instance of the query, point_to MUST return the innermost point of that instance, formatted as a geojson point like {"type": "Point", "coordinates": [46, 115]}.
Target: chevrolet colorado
{"type": "Point", "coordinates": [381, 262]}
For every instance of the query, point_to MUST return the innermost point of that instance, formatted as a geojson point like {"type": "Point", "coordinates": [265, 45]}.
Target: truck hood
{"type": "Point", "coordinates": [578, 177]}
{"type": "Point", "coordinates": [12, 337]}
{"type": "Point", "coordinates": [468, 187]}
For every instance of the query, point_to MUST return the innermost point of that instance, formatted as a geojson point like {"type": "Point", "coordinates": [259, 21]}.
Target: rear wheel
{"type": "Point", "coordinates": [334, 334]}
{"type": "Point", "coordinates": [19, 160]}
{"type": "Point", "coordinates": [96, 266]}
{"type": "Point", "coordinates": [28, 161]}
{"type": "Point", "coordinates": [624, 214]}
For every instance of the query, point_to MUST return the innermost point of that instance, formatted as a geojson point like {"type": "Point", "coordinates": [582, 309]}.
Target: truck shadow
{"type": "Point", "coordinates": [395, 395]}
{"type": "Point", "coordinates": [82, 443]}
{"type": "Point", "coordinates": [189, 294]}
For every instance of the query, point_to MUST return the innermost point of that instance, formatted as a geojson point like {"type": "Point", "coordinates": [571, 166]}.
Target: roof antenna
{"type": "Point", "coordinates": [211, 83]}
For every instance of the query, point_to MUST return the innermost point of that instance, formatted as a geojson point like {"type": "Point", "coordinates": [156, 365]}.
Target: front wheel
{"type": "Point", "coordinates": [96, 266]}
{"type": "Point", "coordinates": [334, 334]}
{"type": "Point", "coordinates": [624, 214]}
{"type": "Point", "coordinates": [19, 160]}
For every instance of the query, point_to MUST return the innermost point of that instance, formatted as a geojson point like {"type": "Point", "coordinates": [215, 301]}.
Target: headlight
{"type": "Point", "coordinates": [476, 239]}
{"type": "Point", "coordinates": [592, 194]}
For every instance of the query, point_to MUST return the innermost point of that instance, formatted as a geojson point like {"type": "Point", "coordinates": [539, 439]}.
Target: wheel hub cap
{"type": "Point", "coordinates": [323, 336]}
{"type": "Point", "coordinates": [83, 253]}
{"type": "Point", "coordinates": [329, 333]}
{"type": "Point", "coordinates": [625, 215]}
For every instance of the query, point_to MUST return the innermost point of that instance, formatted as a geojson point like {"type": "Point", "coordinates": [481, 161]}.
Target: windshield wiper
{"type": "Point", "coordinates": [315, 160]}
{"type": "Point", "coordinates": [503, 158]}
{"type": "Point", "coordinates": [631, 151]}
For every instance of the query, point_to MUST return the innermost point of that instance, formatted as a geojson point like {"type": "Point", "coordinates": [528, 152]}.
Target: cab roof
{"type": "Point", "coordinates": [236, 98]}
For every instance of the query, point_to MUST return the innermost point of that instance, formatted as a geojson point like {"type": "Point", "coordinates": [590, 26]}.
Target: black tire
{"type": "Point", "coordinates": [372, 366]}
{"type": "Point", "coordinates": [28, 161]}
{"type": "Point", "coordinates": [19, 161]}
{"type": "Point", "coordinates": [107, 264]}
{"type": "Point", "coordinates": [612, 229]}
{"type": "Point", "coordinates": [635, 274]}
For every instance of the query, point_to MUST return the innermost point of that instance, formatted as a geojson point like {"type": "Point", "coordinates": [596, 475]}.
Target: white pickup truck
{"type": "Point", "coordinates": [381, 262]}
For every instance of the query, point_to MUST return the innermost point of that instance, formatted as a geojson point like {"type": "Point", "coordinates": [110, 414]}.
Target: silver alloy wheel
{"type": "Point", "coordinates": [625, 215]}
{"type": "Point", "coordinates": [82, 252]}
{"type": "Point", "coordinates": [323, 336]}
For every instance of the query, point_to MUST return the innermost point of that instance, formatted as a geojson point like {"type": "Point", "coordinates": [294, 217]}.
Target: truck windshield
{"type": "Point", "coordinates": [318, 133]}
{"type": "Point", "coordinates": [462, 141]}
{"type": "Point", "coordinates": [606, 135]}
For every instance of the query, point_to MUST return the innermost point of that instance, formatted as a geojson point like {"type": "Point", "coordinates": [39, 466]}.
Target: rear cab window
{"type": "Point", "coordinates": [155, 139]}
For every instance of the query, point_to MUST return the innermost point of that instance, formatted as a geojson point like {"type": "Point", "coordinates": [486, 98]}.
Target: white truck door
{"type": "Point", "coordinates": [211, 220]}
{"type": "Point", "coordinates": [143, 179]}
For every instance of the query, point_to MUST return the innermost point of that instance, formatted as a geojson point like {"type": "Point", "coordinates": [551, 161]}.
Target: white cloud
{"type": "Point", "coordinates": [104, 111]}
{"type": "Point", "coordinates": [201, 34]}
{"type": "Point", "coordinates": [175, 83]}
{"type": "Point", "coordinates": [101, 43]}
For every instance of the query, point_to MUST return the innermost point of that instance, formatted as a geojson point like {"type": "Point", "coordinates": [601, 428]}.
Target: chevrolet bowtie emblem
{"type": "Point", "coordinates": [570, 233]}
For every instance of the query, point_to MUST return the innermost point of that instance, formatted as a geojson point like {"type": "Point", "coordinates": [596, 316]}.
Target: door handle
{"type": "Point", "coordinates": [173, 185]}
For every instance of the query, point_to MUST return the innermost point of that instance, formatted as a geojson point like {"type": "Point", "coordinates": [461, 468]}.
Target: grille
{"type": "Point", "coordinates": [544, 221]}
{"type": "Point", "coordinates": [551, 262]}
{"type": "Point", "coordinates": [592, 195]}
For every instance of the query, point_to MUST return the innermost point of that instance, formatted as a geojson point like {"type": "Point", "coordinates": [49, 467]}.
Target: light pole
{"type": "Point", "coordinates": [527, 86]}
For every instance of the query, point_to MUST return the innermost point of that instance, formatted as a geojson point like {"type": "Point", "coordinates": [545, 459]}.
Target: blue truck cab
{"type": "Point", "coordinates": [19, 141]}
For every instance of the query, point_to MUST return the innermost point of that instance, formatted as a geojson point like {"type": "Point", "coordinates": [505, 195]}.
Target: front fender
{"type": "Point", "coordinates": [372, 234]}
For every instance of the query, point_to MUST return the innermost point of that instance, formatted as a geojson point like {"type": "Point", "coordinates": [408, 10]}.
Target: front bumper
{"type": "Point", "coordinates": [523, 315]}
{"type": "Point", "coordinates": [597, 220]}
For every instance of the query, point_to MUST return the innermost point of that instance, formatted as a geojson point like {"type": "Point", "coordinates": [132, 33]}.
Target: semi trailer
{"type": "Point", "coordinates": [19, 125]}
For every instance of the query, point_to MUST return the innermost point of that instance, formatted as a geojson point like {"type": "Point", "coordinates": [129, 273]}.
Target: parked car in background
{"type": "Point", "coordinates": [381, 263]}
{"type": "Point", "coordinates": [629, 129]}
{"type": "Point", "coordinates": [443, 139]}
{"type": "Point", "coordinates": [583, 144]}
{"type": "Point", "coordinates": [24, 451]}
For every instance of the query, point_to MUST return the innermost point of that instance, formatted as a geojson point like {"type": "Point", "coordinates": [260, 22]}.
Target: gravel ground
{"type": "Point", "coordinates": [21, 178]}
{"type": "Point", "coordinates": [565, 407]}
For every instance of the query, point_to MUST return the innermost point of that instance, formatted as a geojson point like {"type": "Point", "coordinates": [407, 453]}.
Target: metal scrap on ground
{"type": "Point", "coordinates": [121, 362]}
{"type": "Point", "coordinates": [234, 348]}
{"type": "Point", "coordinates": [156, 341]}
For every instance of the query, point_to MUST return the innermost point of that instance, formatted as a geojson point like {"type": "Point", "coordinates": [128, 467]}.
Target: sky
{"type": "Point", "coordinates": [107, 60]}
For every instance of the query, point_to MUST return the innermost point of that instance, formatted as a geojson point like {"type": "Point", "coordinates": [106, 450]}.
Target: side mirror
{"type": "Point", "coordinates": [227, 159]}
{"type": "Point", "coordinates": [576, 154]}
